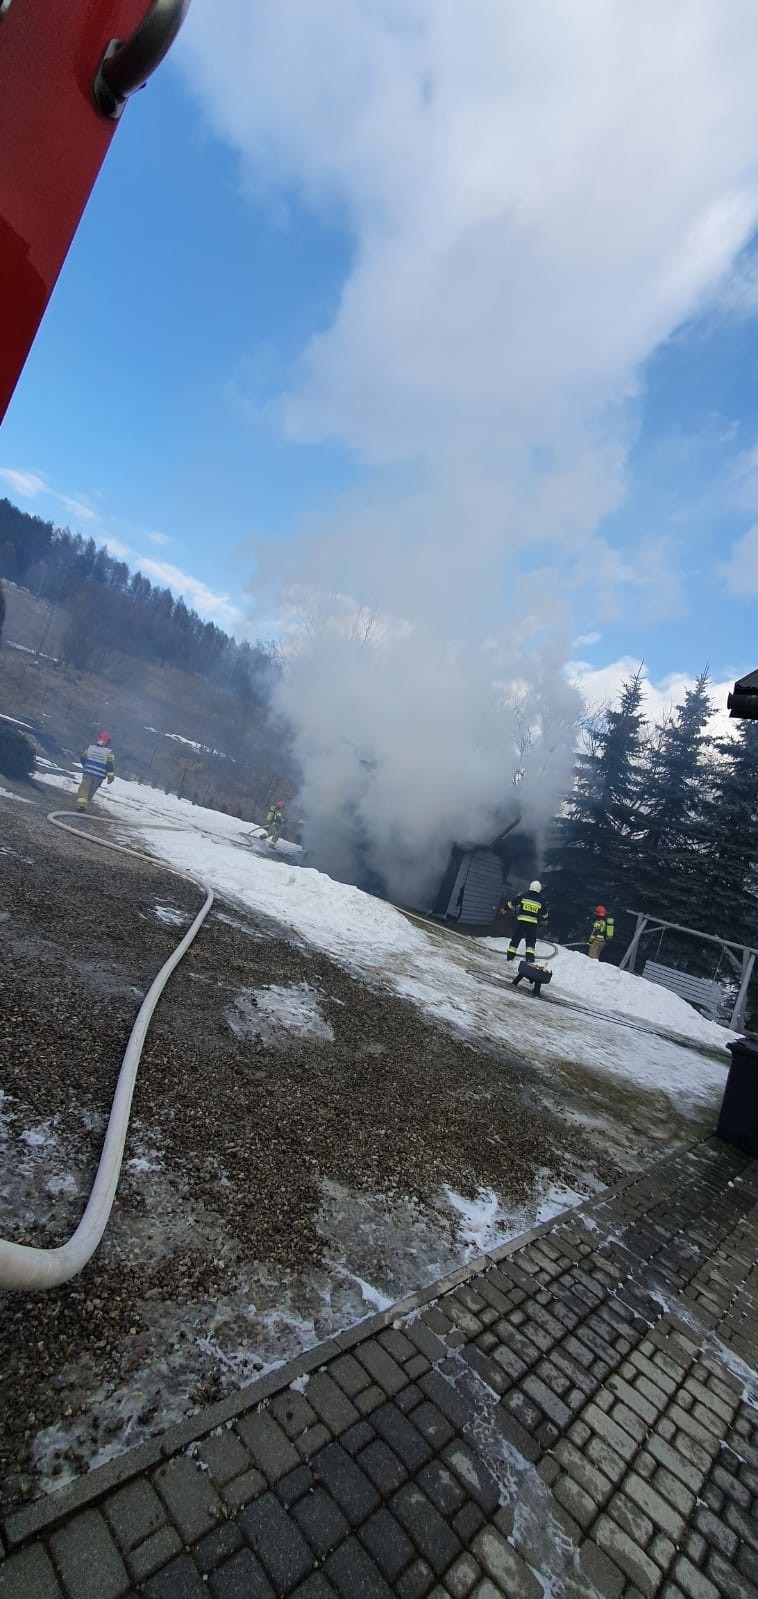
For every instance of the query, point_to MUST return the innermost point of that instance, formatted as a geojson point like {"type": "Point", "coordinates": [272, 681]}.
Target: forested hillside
{"type": "Point", "coordinates": [87, 643]}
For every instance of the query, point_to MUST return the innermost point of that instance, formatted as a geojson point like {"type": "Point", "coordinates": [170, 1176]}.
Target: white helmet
{"type": "Point", "coordinates": [535, 887]}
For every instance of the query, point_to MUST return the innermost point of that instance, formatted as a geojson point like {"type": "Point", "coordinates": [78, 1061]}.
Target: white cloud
{"type": "Point", "coordinates": [216, 607]}
{"type": "Point", "coordinates": [77, 508]}
{"type": "Point", "coordinates": [27, 484]}
{"type": "Point", "coordinates": [599, 685]}
{"type": "Point", "coordinates": [740, 572]}
{"type": "Point", "coordinates": [538, 193]}
{"type": "Point", "coordinates": [159, 538]}
{"type": "Point", "coordinates": [585, 640]}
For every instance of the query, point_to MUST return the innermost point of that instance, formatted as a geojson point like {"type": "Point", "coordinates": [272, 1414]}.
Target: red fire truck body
{"type": "Point", "coordinates": [66, 70]}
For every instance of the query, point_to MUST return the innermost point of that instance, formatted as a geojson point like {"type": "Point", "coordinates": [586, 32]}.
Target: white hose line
{"type": "Point", "coordinates": [30, 1269]}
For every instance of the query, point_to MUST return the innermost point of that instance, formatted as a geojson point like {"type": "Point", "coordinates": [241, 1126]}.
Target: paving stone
{"type": "Point", "coordinates": [224, 1455]}
{"type": "Point", "coordinates": [29, 1575]}
{"type": "Point", "coordinates": [716, 1532]}
{"type": "Point", "coordinates": [381, 1367]}
{"type": "Point", "coordinates": [601, 1571]}
{"type": "Point", "coordinates": [678, 1464]}
{"type": "Point", "coordinates": [188, 1493]}
{"type": "Point", "coordinates": [467, 1521]}
{"type": "Point", "coordinates": [662, 1550]}
{"type": "Point", "coordinates": [387, 1544]}
{"type": "Point", "coordinates": [397, 1345]}
{"type": "Point", "coordinates": [242, 1489]}
{"type": "Point", "coordinates": [383, 1467]}
{"type": "Point", "coordinates": [462, 1577]}
{"type": "Point", "coordinates": [357, 1437]}
{"type": "Point", "coordinates": [217, 1546]}
{"type": "Point", "coordinates": [242, 1577]}
{"type": "Point", "coordinates": [446, 1398]}
{"type": "Point", "coordinates": [501, 1562]}
{"type": "Point", "coordinates": [409, 1398]}
{"type": "Point", "coordinates": [293, 1412]}
{"type": "Point", "coordinates": [349, 1374]}
{"type": "Point", "coordinates": [346, 1482]}
{"type": "Point", "coordinates": [432, 1425]}
{"type": "Point", "coordinates": [480, 1485]}
{"type": "Point", "coordinates": [416, 1582]}
{"type": "Point", "coordinates": [673, 1489]}
{"type": "Point", "coordinates": [269, 1447]}
{"type": "Point", "coordinates": [747, 1563]}
{"type": "Point", "coordinates": [292, 1487]}
{"type": "Point", "coordinates": [432, 1536]}
{"type": "Point", "coordinates": [631, 1518]}
{"type": "Point", "coordinates": [442, 1487]}
{"type": "Point", "coordinates": [624, 1553]}
{"type": "Point", "coordinates": [746, 1527]}
{"type": "Point", "coordinates": [518, 1436]}
{"type": "Point", "coordinates": [693, 1582]}
{"type": "Point", "coordinates": [354, 1574]}
{"type": "Point", "coordinates": [371, 1397]}
{"type": "Point", "coordinates": [489, 1370]}
{"type": "Point", "coordinates": [314, 1587]}
{"type": "Point", "coordinates": [87, 1559]}
{"type": "Point", "coordinates": [330, 1403]}
{"type": "Point", "coordinates": [277, 1541]}
{"type": "Point", "coordinates": [731, 1584]}
{"type": "Point", "coordinates": [416, 1367]}
{"type": "Point", "coordinates": [313, 1439]}
{"type": "Point", "coordinates": [575, 1500]}
{"type": "Point", "coordinates": [179, 1580]}
{"type": "Point", "coordinates": [134, 1513]}
{"type": "Point", "coordinates": [425, 1339]}
{"type": "Point", "coordinates": [155, 1552]}
{"type": "Point", "coordinates": [322, 1522]}
{"type": "Point", "coordinates": [402, 1436]}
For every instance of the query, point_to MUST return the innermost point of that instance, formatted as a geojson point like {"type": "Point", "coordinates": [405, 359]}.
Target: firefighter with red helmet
{"type": "Point", "coordinates": [98, 766]}
{"type": "Point", "coordinates": [600, 934]}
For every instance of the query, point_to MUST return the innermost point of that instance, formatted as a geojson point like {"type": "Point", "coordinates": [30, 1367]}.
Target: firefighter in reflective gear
{"type": "Point", "coordinates": [601, 933]}
{"type": "Point", "coordinates": [275, 821]}
{"type": "Point", "coordinates": [529, 910]}
{"type": "Point", "coordinates": [98, 766]}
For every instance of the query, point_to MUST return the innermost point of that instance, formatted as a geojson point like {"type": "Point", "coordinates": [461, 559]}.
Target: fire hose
{"type": "Point", "coordinates": [25, 1267]}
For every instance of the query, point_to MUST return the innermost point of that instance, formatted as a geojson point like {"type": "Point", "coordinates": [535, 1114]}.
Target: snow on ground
{"type": "Point", "coordinates": [604, 987]}
{"type": "Point", "coordinates": [464, 983]}
{"type": "Point", "coordinates": [5, 793]}
{"type": "Point", "coordinates": [26, 650]}
{"type": "Point", "coordinates": [271, 1013]}
{"type": "Point", "coordinates": [191, 744]}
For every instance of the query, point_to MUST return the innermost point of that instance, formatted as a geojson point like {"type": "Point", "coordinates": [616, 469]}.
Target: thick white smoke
{"type": "Point", "coordinates": [409, 744]}
{"type": "Point", "coordinates": [537, 196]}
{"type": "Point", "coordinates": [426, 694]}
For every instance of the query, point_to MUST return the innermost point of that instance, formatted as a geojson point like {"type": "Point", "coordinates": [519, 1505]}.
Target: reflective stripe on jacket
{"type": "Point", "coordinates": [528, 909]}
{"type": "Point", "coordinates": [98, 761]}
{"type": "Point", "coordinates": [602, 928]}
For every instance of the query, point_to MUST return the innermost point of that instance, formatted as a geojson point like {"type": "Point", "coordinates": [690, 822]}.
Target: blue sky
{"type": "Point", "coordinates": [229, 358]}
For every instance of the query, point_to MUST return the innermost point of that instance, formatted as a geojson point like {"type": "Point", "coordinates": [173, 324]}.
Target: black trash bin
{"type": "Point", "coordinates": [738, 1117]}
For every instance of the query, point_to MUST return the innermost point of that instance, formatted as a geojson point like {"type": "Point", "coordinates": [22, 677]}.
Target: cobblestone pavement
{"type": "Point", "coordinates": [574, 1415]}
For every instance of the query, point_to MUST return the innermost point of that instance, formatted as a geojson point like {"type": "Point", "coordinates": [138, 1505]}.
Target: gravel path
{"type": "Point", "coordinates": [267, 1170]}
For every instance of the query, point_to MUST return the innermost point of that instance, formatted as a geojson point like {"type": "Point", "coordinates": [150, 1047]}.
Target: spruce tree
{"type": "Point", "coordinates": [593, 857]}
{"type": "Point", "coordinates": [675, 787]}
{"type": "Point", "coordinates": [729, 831]}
